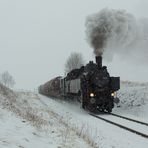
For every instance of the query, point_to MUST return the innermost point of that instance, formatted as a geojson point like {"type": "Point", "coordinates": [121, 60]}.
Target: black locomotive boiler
{"type": "Point", "coordinates": [91, 84]}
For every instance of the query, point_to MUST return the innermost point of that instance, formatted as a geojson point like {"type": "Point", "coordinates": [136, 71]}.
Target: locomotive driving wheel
{"type": "Point", "coordinates": [109, 107]}
{"type": "Point", "coordinates": [91, 107]}
{"type": "Point", "coordinates": [109, 110]}
{"type": "Point", "coordinates": [84, 105]}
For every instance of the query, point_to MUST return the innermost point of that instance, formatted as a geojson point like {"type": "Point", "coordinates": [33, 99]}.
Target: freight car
{"type": "Point", "coordinates": [51, 88]}
{"type": "Point", "coordinates": [91, 84]}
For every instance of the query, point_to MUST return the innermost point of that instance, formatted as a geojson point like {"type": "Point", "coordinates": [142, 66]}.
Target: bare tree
{"type": "Point", "coordinates": [74, 61]}
{"type": "Point", "coordinates": [7, 79]}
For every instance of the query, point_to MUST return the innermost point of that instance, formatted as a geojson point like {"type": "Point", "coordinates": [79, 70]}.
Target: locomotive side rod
{"type": "Point", "coordinates": [121, 126]}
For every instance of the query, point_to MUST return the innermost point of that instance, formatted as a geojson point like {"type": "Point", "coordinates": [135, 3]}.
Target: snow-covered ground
{"type": "Point", "coordinates": [16, 132]}
{"type": "Point", "coordinates": [27, 123]}
{"type": "Point", "coordinates": [104, 134]}
{"type": "Point", "coordinates": [32, 120]}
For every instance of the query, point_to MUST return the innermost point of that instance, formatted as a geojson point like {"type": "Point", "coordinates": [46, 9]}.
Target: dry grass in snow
{"type": "Point", "coordinates": [27, 106]}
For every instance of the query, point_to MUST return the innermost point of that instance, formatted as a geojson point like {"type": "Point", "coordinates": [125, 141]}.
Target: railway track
{"type": "Point", "coordinates": [137, 121]}
{"type": "Point", "coordinates": [139, 128]}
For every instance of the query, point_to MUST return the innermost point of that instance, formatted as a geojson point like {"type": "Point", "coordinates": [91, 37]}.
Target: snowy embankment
{"type": "Point", "coordinates": [26, 122]}
{"type": "Point", "coordinates": [133, 100]}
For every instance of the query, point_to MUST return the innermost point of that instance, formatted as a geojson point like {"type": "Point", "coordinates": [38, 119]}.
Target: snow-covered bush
{"type": "Point", "coordinates": [133, 94]}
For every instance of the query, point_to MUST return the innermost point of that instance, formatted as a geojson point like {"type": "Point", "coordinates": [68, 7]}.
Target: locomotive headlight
{"type": "Point", "coordinates": [92, 94]}
{"type": "Point", "coordinates": [113, 94]}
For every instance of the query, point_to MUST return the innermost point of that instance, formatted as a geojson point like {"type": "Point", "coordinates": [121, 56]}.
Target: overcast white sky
{"type": "Point", "coordinates": [37, 36]}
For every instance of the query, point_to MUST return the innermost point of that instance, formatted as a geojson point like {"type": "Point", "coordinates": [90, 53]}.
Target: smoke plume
{"type": "Point", "coordinates": [117, 32]}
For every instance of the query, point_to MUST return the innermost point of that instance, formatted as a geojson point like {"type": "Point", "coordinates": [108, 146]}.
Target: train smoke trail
{"type": "Point", "coordinates": [117, 32]}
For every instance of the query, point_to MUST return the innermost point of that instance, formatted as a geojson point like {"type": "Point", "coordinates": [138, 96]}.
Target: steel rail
{"type": "Point", "coordinates": [121, 126]}
{"type": "Point", "coordinates": [137, 121]}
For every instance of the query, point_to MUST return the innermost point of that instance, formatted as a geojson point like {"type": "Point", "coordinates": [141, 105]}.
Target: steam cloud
{"type": "Point", "coordinates": [117, 32]}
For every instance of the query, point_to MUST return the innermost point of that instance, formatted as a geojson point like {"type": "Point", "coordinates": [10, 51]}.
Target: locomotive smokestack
{"type": "Point", "coordinates": [99, 61]}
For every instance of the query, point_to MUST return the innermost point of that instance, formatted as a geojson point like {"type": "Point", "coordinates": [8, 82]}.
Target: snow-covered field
{"type": "Point", "coordinates": [133, 100]}
{"type": "Point", "coordinates": [31, 120]}
{"type": "Point", "coordinates": [27, 123]}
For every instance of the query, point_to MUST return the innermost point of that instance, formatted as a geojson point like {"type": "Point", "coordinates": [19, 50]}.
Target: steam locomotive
{"type": "Point", "coordinates": [91, 85]}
